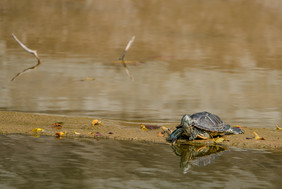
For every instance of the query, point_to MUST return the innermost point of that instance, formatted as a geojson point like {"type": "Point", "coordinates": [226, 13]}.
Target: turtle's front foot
{"type": "Point", "coordinates": [193, 134]}
{"type": "Point", "coordinates": [191, 138]}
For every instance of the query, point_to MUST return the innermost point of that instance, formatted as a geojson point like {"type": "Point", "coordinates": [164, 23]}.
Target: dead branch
{"type": "Point", "coordinates": [33, 52]}
{"type": "Point", "coordinates": [126, 48]}
{"type": "Point", "coordinates": [123, 55]}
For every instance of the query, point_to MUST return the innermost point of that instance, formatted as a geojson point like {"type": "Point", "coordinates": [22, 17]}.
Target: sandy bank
{"type": "Point", "coordinates": [24, 123]}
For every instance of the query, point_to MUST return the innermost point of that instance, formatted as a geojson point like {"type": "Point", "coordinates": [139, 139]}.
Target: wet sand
{"type": "Point", "coordinates": [24, 123]}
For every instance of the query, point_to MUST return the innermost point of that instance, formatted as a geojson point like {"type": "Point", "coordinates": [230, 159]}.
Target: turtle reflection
{"type": "Point", "coordinates": [196, 155]}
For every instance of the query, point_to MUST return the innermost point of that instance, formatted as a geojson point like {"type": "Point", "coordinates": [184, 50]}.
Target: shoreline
{"type": "Point", "coordinates": [80, 127]}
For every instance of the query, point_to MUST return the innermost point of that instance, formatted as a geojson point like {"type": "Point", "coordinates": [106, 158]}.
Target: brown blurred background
{"type": "Point", "coordinates": [189, 56]}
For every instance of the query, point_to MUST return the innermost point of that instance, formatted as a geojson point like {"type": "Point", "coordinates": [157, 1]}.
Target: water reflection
{"type": "Point", "coordinates": [45, 162]}
{"type": "Point", "coordinates": [196, 155]}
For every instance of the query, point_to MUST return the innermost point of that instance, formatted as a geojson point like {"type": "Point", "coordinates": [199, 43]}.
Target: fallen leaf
{"type": "Point", "coordinates": [57, 125]}
{"type": "Point", "coordinates": [111, 133]}
{"type": "Point", "coordinates": [249, 137]}
{"type": "Point", "coordinates": [161, 134]}
{"type": "Point", "coordinates": [97, 134]}
{"type": "Point", "coordinates": [218, 140]}
{"type": "Point", "coordinates": [76, 133]}
{"type": "Point", "coordinates": [96, 122]}
{"type": "Point", "coordinates": [60, 134]}
{"type": "Point", "coordinates": [257, 137]}
{"type": "Point", "coordinates": [143, 127]}
{"type": "Point", "coordinates": [37, 130]}
{"type": "Point", "coordinates": [150, 126]}
{"type": "Point", "coordinates": [278, 128]}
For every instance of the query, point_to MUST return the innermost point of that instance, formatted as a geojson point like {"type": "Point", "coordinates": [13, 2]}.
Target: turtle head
{"type": "Point", "coordinates": [186, 121]}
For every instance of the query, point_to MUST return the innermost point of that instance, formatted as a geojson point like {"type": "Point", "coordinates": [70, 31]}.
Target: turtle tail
{"type": "Point", "coordinates": [176, 134]}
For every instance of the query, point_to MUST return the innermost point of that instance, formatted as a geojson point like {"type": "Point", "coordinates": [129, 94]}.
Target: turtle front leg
{"type": "Point", "coordinates": [175, 135]}
{"type": "Point", "coordinates": [193, 134]}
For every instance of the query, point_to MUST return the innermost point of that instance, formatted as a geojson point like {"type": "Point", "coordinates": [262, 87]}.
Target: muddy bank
{"type": "Point", "coordinates": [24, 123]}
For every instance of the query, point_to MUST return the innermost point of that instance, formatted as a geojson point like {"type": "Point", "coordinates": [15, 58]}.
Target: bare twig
{"type": "Point", "coordinates": [33, 52]}
{"type": "Point", "coordinates": [123, 55]}
{"type": "Point", "coordinates": [126, 48]}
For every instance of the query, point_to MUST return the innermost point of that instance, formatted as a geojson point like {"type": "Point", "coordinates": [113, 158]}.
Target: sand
{"type": "Point", "coordinates": [75, 127]}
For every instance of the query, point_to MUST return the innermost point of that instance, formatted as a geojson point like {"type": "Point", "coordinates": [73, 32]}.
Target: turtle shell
{"type": "Point", "coordinates": [209, 122]}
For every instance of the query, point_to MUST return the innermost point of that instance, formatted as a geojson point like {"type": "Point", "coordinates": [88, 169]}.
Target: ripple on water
{"type": "Point", "coordinates": [48, 162]}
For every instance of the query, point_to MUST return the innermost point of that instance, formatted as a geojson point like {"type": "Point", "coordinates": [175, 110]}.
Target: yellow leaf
{"type": "Point", "coordinates": [143, 127]}
{"type": "Point", "coordinates": [151, 127]}
{"type": "Point", "coordinates": [218, 140]}
{"type": "Point", "coordinates": [60, 134]}
{"type": "Point", "coordinates": [37, 130]}
{"type": "Point", "coordinates": [96, 122]}
{"type": "Point", "coordinates": [257, 137]}
{"type": "Point", "coordinates": [76, 133]}
{"type": "Point", "coordinates": [278, 128]}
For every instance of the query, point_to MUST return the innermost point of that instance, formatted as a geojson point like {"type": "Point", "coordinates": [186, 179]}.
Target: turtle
{"type": "Point", "coordinates": [197, 155]}
{"type": "Point", "coordinates": [202, 125]}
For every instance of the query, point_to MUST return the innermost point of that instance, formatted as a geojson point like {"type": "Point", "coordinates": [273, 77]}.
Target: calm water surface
{"type": "Point", "coordinates": [47, 162]}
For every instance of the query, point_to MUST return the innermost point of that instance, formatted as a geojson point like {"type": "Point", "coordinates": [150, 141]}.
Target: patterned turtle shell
{"type": "Point", "coordinates": [209, 122]}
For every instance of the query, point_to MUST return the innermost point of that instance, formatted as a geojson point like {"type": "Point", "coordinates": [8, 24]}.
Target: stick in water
{"type": "Point", "coordinates": [126, 48]}
{"type": "Point", "coordinates": [33, 52]}
{"type": "Point", "coordinates": [123, 55]}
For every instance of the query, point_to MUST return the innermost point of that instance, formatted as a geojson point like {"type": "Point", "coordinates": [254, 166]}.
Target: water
{"type": "Point", "coordinates": [47, 162]}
